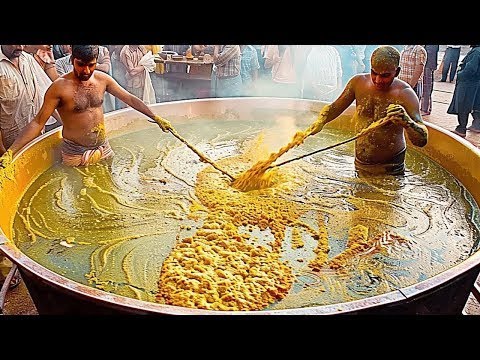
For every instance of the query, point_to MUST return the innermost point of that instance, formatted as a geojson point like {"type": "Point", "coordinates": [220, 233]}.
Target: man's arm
{"type": "Point", "coordinates": [336, 108]}
{"type": "Point", "coordinates": [132, 70]}
{"type": "Point", "coordinates": [409, 117]}
{"type": "Point", "coordinates": [136, 70]}
{"type": "Point", "coordinates": [35, 127]}
{"type": "Point", "coordinates": [116, 90]}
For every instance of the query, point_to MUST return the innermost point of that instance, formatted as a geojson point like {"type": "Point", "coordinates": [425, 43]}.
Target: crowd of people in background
{"type": "Point", "coordinates": [318, 72]}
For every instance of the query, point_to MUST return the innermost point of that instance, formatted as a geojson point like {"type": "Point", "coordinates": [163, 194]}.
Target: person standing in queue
{"type": "Point", "coordinates": [466, 95]}
{"type": "Point", "coordinates": [377, 95]}
{"type": "Point", "coordinates": [23, 84]}
{"type": "Point", "coordinates": [450, 62]}
{"type": "Point", "coordinates": [227, 60]}
{"type": "Point", "coordinates": [428, 78]}
{"type": "Point", "coordinates": [412, 65]}
{"type": "Point", "coordinates": [78, 96]}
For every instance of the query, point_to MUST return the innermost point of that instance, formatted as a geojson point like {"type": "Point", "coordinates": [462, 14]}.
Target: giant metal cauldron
{"type": "Point", "coordinates": [446, 292]}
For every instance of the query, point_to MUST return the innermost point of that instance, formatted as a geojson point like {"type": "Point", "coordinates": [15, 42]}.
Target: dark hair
{"type": "Point", "coordinates": [85, 53]}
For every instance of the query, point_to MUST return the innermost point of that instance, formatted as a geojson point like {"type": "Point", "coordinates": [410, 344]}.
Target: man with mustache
{"type": "Point", "coordinates": [78, 96]}
{"type": "Point", "coordinates": [23, 84]}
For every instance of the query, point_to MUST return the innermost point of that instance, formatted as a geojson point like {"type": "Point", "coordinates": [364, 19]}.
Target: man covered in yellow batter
{"type": "Point", "coordinates": [78, 97]}
{"type": "Point", "coordinates": [377, 95]}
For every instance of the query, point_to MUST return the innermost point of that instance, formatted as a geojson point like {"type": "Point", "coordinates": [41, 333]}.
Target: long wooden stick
{"type": "Point", "coordinates": [203, 157]}
{"type": "Point", "coordinates": [367, 130]}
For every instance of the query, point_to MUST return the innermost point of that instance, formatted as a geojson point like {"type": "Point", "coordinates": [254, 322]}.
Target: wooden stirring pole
{"type": "Point", "coordinates": [165, 125]}
{"type": "Point", "coordinates": [367, 130]}
{"type": "Point", "coordinates": [202, 157]}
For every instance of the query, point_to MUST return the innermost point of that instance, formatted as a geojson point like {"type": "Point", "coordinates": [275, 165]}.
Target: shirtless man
{"type": "Point", "coordinates": [382, 150]}
{"type": "Point", "coordinates": [78, 96]}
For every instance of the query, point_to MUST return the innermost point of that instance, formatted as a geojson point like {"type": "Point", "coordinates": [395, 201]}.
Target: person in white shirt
{"type": "Point", "coordinates": [22, 88]}
{"type": "Point", "coordinates": [322, 77]}
{"type": "Point", "coordinates": [279, 58]}
{"type": "Point", "coordinates": [23, 85]}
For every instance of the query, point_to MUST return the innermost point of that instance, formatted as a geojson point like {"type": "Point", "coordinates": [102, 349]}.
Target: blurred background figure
{"type": "Point", "coordinates": [412, 62]}
{"type": "Point", "coordinates": [155, 49]}
{"type": "Point", "coordinates": [60, 51]}
{"type": "Point", "coordinates": [322, 78]}
{"type": "Point", "coordinates": [118, 71]}
{"type": "Point", "coordinates": [207, 52]}
{"type": "Point", "coordinates": [22, 88]}
{"type": "Point", "coordinates": [198, 50]}
{"type": "Point", "coordinates": [466, 95]}
{"type": "Point", "coordinates": [227, 59]}
{"type": "Point", "coordinates": [64, 64]}
{"type": "Point", "coordinates": [367, 55]}
{"type": "Point", "coordinates": [104, 64]}
{"type": "Point", "coordinates": [44, 56]}
{"type": "Point", "coordinates": [262, 72]}
{"type": "Point", "coordinates": [300, 54]}
{"type": "Point", "coordinates": [249, 68]}
{"type": "Point", "coordinates": [428, 73]}
{"type": "Point", "coordinates": [173, 86]}
{"type": "Point", "coordinates": [450, 62]}
{"type": "Point", "coordinates": [180, 50]}
{"type": "Point", "coordinates": [352, 61]}
{"type": "Point", "coordinates": [360, 58]}
{"type": "Point", "coordinates": [279, 58]}
{"type": "Point", "coordinates": [130, 56]}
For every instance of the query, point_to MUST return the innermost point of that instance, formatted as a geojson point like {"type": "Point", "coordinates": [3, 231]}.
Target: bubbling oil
{"type": "Point", "coordinates": [130, 226]}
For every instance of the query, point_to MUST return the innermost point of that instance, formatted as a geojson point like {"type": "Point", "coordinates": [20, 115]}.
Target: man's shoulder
{"type": "Point", "coordinates": [101, 76]}
{"type": "Point", "coordinates": [27, 57]}
{"type": "Point", "coordinates": [30, 60]}
{"type": "Point", "coordinates": [61, 81]}
{"type": "Point", "coordinates": [400, 85]}
{"type": "Point", "coordinates": [403, 91]}
{"type": "Point", "coordinates": [360, 79]}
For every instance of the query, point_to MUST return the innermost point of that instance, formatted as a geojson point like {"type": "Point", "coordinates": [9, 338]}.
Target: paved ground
{"type": "Point", "coordinates": [18, 301]}
{"type": "Point", "coordinates": [442, 94]}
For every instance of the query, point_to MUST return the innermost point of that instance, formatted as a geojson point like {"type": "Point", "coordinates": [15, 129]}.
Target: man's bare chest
{"type": "Point", "coordinates": [86, 97]}
{"type": "Point", "coordinates": [373, 107]}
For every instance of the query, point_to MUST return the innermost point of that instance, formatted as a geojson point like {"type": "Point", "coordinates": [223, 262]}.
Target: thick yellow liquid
{"type": "Point", "coordinates": [329, 235]}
